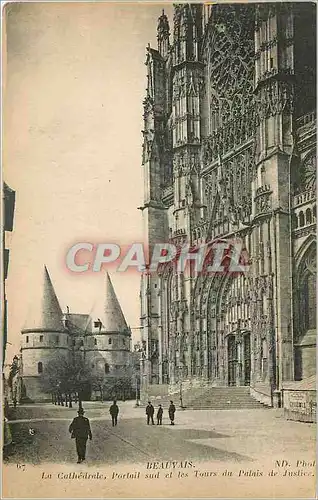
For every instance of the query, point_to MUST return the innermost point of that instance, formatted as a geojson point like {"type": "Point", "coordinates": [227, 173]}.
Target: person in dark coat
{"type": "Point", "coordinates": [171, 411]}
{"type": "Point", "coordinates": [114, 410]}
{"type": "Point", "coordinates": [80, 429]}
{"type": "Point", "coordinates": [159, 415]}
{"type": "Point", "coordinates": [149, 412]}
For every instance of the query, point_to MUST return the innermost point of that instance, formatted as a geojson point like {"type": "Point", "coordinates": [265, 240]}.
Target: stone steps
{"type": "Point", "coordinates": [214, 398]}
{"type": "Point", "coordinates": [226, 398]}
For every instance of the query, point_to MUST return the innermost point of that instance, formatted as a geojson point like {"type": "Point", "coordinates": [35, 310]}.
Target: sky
{"type": "Point", "coordinates": [74, 81]}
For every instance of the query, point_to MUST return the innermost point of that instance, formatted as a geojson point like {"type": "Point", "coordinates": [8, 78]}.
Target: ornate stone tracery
{"type": "Point", "coordinates": [230, 121]}
{"type": "Point", "coordinates": [230, 66]}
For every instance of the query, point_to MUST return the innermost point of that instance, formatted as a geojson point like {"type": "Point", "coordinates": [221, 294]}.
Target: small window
{"type": "Point", "coordinates": [81, 343]}
{"type": "Point", "coordinates": [106, 368]}
{"type": "Point", "coordinates": [57, 339]}
{"type": "Point", "coordinates": [109, 341]}
{"type": "Point", "coordinates": [40, 367]}
{"type": "Point", "coordinates": [41, 338]}
{"type": "Point", "coordinates": [124, 343]}
{"type": "Point", "coordinates": [74, 342]}
{"type": "Point", "coordinates": [27, 339]}
{"type": "Point", "coordinates": [95, 341]}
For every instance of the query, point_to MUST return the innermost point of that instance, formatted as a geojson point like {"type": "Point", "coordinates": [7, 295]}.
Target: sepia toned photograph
{"type": "Point", "coordinates": [159, 250]}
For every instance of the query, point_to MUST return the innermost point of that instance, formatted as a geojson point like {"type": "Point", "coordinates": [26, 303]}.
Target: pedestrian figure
{"type": "Point", "coordinates": [114, 410]}
{"type": "Point", "coordinates": [149, 412]}
{"type": "Point", "coordinates": [80, 430]}
{"type": "Point", "coordinates": [171, 411]}
{"type": "Point", "coordinates": [159, 415]}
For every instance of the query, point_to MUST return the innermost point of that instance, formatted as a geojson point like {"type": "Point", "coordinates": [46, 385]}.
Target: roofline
{"type": "Point", "coordinates": [43, 330]}
{"type": "Point", "coordinates": [126, 333]}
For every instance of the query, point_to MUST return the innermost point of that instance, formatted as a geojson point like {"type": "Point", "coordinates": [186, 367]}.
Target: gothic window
{"type": "Point", "coordinates": [106, 368]}
{"type": "Point", "coordinates": [225, 111]}
{"type": "Point", "coordinates": [301, 219]}
{"type": "Point", "coordinates": [307, 292]}
{"type": "Point", "coordinates": [308, 216]}
{"type": "Point", "coordinates": [309, 302]}
{"type": "Point", "coordinates": [27, 339]}
{"type": "Point", "coordinates": [231, 63]}
{"type": "Point", "coordinates": [305, 57]}
{"type": "Point", "coordinates": [214, 114]}
{"type": "Point", "coordinates": [309, 173]}
{"type": "Point", "coordinates": [40, 367]}
{"type": "Point", "coordinates": [109, 341]}
{"type": "Point", "coordinates": [95, 341]}
{"type": "Point", "coordinates": [237, 106]}
{"type": "Point", "coordinates": [41, 338]}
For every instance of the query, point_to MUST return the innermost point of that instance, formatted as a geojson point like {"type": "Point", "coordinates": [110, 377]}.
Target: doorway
{"type": "Point", "coordinates": [247, 359]}
{"type": "Point", "coordinates": [232, 359]}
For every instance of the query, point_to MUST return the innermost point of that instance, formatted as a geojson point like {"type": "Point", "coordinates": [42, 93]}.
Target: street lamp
{"type": "Point", "coordinates": [180, 382]}
{"type": "Point", "coordinates": [136, 387]}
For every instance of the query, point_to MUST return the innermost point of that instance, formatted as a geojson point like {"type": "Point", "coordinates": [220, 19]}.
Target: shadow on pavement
{"type": "Point", "coordinates": [132, 441]}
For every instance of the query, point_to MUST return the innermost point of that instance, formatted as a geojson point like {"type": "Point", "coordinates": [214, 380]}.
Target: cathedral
{"type": "Point", "coordinates": [229, 151]}
{"type": "Point", "coordinates": [49, 334]}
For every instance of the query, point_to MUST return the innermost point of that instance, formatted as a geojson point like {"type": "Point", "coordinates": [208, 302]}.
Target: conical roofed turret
{"type": "Point", "coordinates": [114, 320]}
{"type": "Point", "coordinates": [47, 313]}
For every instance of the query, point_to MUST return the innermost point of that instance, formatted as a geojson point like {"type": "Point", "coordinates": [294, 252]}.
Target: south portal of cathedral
{"type": "Point", "coordinates": [229, 152]}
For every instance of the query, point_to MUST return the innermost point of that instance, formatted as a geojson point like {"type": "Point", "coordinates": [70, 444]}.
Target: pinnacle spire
{"type": "Point", "coordinates": [46, 314]}
{"type": "Point", "coordinates": [114, 320]}
{"type": "Point", "coordinates": [163, 33]}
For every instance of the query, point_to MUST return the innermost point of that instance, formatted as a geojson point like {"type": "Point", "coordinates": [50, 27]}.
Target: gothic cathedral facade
{"type": "Point", "coordinates": [229, 151]}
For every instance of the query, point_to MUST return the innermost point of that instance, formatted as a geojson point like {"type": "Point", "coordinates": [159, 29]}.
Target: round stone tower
{"type": "Point", "coordinates": [108, 346]}
{"type": "Point", "coordinates": [44, 338]}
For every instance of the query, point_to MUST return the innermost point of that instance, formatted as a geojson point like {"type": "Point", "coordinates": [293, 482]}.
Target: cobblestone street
{"type": "Point", "coordinates": [229, 436]}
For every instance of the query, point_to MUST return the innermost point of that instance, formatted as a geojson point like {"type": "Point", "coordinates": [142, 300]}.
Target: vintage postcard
{"type": "Point", "coordinates": [159, 250]}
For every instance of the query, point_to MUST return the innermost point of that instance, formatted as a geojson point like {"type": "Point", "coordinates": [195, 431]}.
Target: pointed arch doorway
{"type": "Point", "coordinates": [239, 359]}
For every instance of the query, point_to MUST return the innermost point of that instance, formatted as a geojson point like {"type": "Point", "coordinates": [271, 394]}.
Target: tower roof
{"type": "Point", "coordinates": [46, 314]}
{"type": "Point", "coordinates": [114, 320]}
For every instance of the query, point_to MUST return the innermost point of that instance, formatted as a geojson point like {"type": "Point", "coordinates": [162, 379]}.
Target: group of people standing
{"type": "Point", "coordinates": [150, 411]}
{"type": "Point", "coordinates": [80, 427]}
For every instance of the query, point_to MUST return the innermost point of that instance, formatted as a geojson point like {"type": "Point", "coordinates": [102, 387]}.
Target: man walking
{"type": "Point", "coordinates": [171, 411]}
{"type": "Point", "coordinates": [114, 410]}
{"type": "Point", "coordinates": [80, 429]}
{"type": "Point", "coordinates": [149, 412]}
{"type": "Point", "coordinates": [159, 415]}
